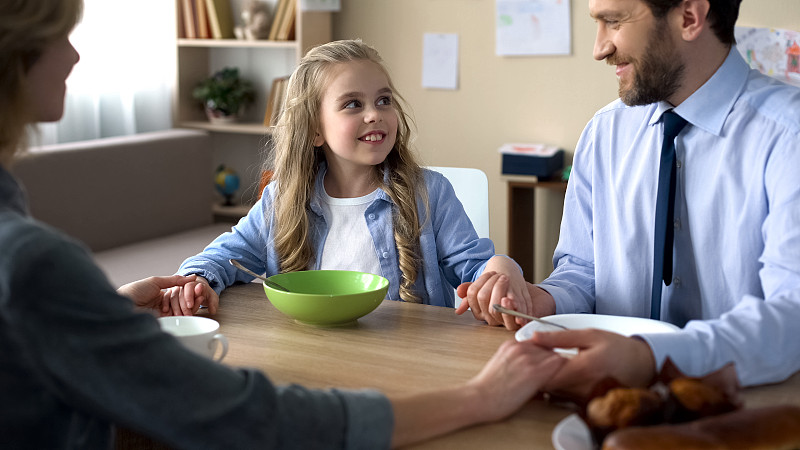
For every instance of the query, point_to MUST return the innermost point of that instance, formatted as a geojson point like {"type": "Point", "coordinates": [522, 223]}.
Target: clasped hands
{"type": "Point", "coordinates": [602, 354]}
{"type": "Point", "coordinates": [174, 295]}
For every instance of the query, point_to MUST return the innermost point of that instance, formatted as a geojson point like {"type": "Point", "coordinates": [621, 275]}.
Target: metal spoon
{"type": "Point", "coordinates": [525, 316]}
{"type": "Point", "coordinates": [266, 281]}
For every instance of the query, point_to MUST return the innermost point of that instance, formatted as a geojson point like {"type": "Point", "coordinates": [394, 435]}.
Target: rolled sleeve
{"type": "Point", "coordinates": [370, 420]}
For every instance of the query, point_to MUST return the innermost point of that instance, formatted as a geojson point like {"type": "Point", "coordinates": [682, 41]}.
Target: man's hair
{"type": "Point", "coordinates": [722, 15]}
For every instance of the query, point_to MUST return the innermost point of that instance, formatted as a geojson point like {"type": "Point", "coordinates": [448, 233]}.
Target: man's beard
{"type": "Point", "coordinates": [657, 75]}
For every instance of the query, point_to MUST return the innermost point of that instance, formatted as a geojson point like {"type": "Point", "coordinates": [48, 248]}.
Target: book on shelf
{"type": "Point", "coordinates": [187, 13]}
{"type": "Point", "coordinates": [202, 26]}
{"type": "Point", "coordinates": [220, 18]}
{"type": "Point", "coordinates": [276, 101]}
{"type": "Point", "coordinates": [280, 10]}
{"type": "Point", "coordinates": [287, 23]}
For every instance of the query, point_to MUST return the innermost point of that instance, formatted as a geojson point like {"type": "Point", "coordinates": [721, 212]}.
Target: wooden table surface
{"type": "Point", "coordinates": [398, 348]}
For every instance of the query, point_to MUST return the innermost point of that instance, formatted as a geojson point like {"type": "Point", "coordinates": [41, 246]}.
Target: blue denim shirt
{"type": "Point", "coordinates": [736, 289]}
{"type": "Point", "coordinates": [452, 252]}
{"type": "Point", "coordinates": [77, 358]}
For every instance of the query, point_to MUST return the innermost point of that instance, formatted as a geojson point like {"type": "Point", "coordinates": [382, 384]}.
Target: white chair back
{"type": "Point", "coordinates": [472, 189]}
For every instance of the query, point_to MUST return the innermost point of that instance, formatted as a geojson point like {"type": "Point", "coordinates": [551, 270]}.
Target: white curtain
{"type": "Point", "coordinates": [123, 82]}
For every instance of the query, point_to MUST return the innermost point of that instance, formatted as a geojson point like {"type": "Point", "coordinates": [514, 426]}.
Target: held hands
{"type": "Point", "coordinates": [502, 283]}
{"type": "Point", "coordinates": [186, 300]}
{"type": "Point", "coordinates": [173, 295]}
{"type": "Point", "coordinates": [601, 354]}
{"type": "Point", "coordinates": [514, 374]}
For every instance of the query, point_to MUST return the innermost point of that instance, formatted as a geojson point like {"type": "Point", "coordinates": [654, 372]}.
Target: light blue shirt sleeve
{"type": "Point", "coordinates": [736, 285]}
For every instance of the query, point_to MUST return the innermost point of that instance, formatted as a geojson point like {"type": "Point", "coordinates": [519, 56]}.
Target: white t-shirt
{"type": "Point", "coordinates": [349, 245]}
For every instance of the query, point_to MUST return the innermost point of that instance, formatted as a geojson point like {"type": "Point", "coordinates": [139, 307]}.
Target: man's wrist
{"type": "Point", "coordinates": [543, 303]}
{"type": "Point", "coordinates": [646, 362]}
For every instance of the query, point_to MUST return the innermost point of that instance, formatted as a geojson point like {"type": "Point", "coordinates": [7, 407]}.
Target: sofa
{"type": "Point", "coordinates": [140, 203]}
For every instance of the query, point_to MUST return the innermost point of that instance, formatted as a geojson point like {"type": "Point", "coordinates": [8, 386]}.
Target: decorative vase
{"type": "Point", "coordinates": [216, 116]}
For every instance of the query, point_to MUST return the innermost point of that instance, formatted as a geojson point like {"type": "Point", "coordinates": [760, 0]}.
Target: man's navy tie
{"type": "Point", "coordinates": [665, 211]}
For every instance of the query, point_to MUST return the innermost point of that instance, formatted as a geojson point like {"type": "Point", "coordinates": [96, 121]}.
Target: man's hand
{"type": "Point", "coordinates": [601, 354]}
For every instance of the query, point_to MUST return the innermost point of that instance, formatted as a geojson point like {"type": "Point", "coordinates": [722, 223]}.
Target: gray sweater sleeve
{"type": "Point", "coordinates": [82, 351]}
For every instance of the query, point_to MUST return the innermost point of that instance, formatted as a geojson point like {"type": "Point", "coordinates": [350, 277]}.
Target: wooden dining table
{"type": "Point", "coordinates": [401, 348]}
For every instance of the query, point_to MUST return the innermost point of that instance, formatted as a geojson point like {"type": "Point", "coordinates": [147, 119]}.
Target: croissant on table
{"type": "Point", "coordinates": [771, 427]}
{"type": "Point", "coordinates": [683, 412]}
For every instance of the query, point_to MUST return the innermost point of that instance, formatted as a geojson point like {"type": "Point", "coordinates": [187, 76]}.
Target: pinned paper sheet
{"type": "Point", "coordinates": [440, 61]}
{"type": "Point", "coordinates": [532, 27]}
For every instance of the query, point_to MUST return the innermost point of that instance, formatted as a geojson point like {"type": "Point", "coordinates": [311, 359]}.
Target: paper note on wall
{"type": "Point", "coordinates": [532, 27]}
{"type": "Point", "coordinates": [440, 61]}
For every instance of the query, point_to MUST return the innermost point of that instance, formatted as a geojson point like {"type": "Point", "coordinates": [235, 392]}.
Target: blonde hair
{"type": "Point", "coordinates": [295, 163]}
{"type": "Point", "coordinates": [26, 28]}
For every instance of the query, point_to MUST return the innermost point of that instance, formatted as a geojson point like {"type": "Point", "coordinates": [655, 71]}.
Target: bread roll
{"type": "Point", "coordinates": [695, 399]}
{"type": "Point", "coordinates": [773, 427]}
{"type": "Point", "coordinates": [624, 407]}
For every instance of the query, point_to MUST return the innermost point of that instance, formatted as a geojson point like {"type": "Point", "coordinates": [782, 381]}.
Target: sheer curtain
{"type": "Point", "coordinates": [123, 82]}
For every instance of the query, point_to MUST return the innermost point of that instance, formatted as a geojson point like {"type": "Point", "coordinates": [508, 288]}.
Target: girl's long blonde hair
{"type": "Point", "coordinates": [26, 28]}
{"type": "Point", "coordinates": [295, 162]}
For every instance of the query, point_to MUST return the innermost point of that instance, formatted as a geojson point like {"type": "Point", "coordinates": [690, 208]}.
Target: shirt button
{"type": "Point", "coordinates": [371, 217]}
{"type": "Point", "coordinates": [676, 281]}
{"type": "Point", "coordinates": [677, 224]}
{"type": "Point", "coordinates": [385, 255]}
{"type": "Point", "coordinates": [678, 163]}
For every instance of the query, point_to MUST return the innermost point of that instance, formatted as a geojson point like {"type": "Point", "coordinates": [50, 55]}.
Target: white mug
{"type": "Point", "coordinates": [197, 333]}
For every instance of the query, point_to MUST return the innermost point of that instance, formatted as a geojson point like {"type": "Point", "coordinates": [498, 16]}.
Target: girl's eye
{"type": "Point", "coordinates": [383, 101]}
{"type": "Point", "coordinates": [352, 104]}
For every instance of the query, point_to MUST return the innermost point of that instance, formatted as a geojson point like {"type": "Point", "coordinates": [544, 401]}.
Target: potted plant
{"type": "Point", "coordinates": [224, 95]}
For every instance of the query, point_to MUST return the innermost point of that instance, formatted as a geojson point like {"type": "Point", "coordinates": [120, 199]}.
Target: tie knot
{"type": "Point", "coordinates": [673, 124]}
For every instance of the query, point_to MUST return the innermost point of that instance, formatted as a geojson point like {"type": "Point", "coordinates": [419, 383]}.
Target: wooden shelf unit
{"type": "Point", "coordinates": [522, 218]}
{"type": "Point", "coordinates": [259, 61]}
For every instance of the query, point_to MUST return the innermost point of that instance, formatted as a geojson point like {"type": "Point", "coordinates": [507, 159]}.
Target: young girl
{"type": "Point", "coordinates": [347, 193]}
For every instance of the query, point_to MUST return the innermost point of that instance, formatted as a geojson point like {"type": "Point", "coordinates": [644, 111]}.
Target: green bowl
{"type": "Point", "coordinates": [327, 297]}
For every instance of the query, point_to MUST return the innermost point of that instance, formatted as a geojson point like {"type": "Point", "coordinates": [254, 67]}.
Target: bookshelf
{"type": "Point", "coordinates": [260, 61]}
{"type": "Point", "coordinates": [239, 145]}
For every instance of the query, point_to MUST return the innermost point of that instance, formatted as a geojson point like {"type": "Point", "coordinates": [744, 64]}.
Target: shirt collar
{"type": "Point", "coordinates": [710, 105]}
{"type": "Point", "coordinates": [319, 189]}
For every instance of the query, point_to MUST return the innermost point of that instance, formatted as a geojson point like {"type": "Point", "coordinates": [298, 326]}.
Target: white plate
{"type": "Point", "coordinates": [572, 434]}
{"type": "Point", "coordinates": [623, 325]}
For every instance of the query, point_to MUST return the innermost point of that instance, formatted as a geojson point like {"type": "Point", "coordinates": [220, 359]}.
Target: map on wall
{"type": "Point", "coordinates": [772, 51]}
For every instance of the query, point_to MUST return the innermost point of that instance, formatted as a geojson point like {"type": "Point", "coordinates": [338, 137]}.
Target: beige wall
{"type": "Point", "coordinates": [501, 99]}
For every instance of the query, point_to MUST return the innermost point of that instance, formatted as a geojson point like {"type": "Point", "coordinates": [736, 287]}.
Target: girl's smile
{"type": "Point", "coordinates": [375, 137]}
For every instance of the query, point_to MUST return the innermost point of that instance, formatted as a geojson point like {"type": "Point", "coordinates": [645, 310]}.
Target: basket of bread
{"type": "Point", "coordinates": [681, 412]}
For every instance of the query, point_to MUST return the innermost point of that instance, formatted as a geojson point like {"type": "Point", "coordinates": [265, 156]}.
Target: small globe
{"type": "Point", "coordinates": [226, 181]}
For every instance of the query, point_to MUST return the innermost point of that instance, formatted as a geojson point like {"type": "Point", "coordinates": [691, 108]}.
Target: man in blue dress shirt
{"type": "Point", "coordinates": [735, 269]}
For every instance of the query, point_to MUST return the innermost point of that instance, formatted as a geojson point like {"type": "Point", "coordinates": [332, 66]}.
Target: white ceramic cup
{"type": "Point", "coordinates": [199, 334]}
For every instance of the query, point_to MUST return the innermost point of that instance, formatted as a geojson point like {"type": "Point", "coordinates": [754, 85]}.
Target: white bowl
{"type": "Point", "coordinates": [624, 325]}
